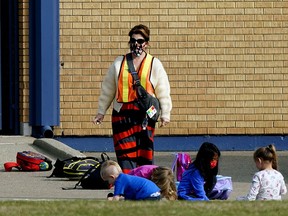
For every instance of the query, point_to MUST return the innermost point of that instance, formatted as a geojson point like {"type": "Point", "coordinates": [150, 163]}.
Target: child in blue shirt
{"type": "Point", "coordinates": [127, 186]}
{"type": "Point", "coordinates": [200, 178]}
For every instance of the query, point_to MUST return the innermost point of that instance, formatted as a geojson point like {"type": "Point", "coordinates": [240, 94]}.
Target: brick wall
{"type": "Point", "coordinates": [23, 60]}
{"type": "Point", "coordinates": [226, 61]}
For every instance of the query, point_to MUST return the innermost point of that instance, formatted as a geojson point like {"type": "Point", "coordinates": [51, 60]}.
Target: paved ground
{"type": "Point", "coordinates": [36, 185]}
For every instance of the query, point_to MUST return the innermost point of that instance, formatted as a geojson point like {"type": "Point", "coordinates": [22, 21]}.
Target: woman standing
{"type": "Point", "coordinates": [133, 136]}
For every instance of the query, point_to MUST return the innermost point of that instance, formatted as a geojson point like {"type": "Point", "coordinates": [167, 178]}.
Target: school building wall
{"type": "Point", "coordinates": [24, 65]}
{"type": "Point", "coordinates": [226, 62]}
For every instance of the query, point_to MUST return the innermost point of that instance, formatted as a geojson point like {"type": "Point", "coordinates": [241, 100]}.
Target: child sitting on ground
{"type": "Point", "coordinates": [199, 179]}
{"type": "Point", "coordinates": [162, 176]}
{"type": "Point", "coordinates": [128, 186]}
{"type": "Point", "coordinates": [267, 183]}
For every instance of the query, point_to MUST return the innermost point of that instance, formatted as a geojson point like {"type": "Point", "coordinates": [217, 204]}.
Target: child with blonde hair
{"type": "Point", "coordinates": [127, 186]}
{"type": "Point", "coordinates": [267, 183]}
{"type": "Point", "coordinates": [162, 176]}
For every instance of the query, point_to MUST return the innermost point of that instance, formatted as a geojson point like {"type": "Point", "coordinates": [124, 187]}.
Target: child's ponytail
{"type": "Point", "coordinates": [272, 149]}
{"type": "Point", "coordinates": [267, 154]}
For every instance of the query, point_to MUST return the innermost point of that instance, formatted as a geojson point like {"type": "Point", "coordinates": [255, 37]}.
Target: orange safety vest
{"type": "Point", "coordinates": [126, 93]}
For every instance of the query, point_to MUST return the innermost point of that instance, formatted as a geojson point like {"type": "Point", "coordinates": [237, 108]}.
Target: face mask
{"type": "Point", "coordinates": [136, 50]}
{"type": "Point", "coordinates": [213, 164]}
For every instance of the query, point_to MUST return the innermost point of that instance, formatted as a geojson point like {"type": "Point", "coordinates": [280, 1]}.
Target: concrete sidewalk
{"type": "Point", "coordinates": [36, 185]}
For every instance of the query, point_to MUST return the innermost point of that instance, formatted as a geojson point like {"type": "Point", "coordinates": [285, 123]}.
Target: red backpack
{"type": "Point", "coordinates": [30, 161]}
{"type": "Point", "coordinates": [180, 164]}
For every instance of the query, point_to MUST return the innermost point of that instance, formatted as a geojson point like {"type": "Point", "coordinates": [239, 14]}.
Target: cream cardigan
{"type": "Point", "coordinates": [159, 80]}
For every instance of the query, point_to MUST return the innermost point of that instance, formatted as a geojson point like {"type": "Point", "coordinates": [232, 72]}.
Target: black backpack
{"type": "Point", "coordinates": [92, 178]}
{"type": "Point", "coordinates": [73, 168]}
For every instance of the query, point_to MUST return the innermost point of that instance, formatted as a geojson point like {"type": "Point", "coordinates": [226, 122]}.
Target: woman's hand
{"type": "Point", "coordinates": [98, 119]}
{"type": "Point", "coordinates": [164, 122]}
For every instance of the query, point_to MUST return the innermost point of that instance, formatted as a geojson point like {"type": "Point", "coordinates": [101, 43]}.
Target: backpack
{"type": "Point", "coordinates": [222, 188]}
{"type": "Point", "coordinates": [29, 161]}
{"type": "Point", "coordinates": [92, 178]}
{"type": "Point", "coordinates": [180, 164]}
{"type": "Point", "coordinates": [74, 167]}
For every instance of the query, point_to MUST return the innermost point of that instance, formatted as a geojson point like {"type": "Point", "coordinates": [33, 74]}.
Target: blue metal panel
{"type": "Point", "coordinates": [13, 68]}
{"type": "Point", "coordinates": [183, 143]}
{"type": "Point", "coordinates": [44, 62]}
{"type": "Point", "coordinates": [10, 67]}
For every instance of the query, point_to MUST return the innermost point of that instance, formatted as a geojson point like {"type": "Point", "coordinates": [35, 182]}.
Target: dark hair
{"type": "Point", "coordinates": [267, 153]}
{"type": "Point", "coordinates": [140, 29]}
{"type": "Point", "coordinates": [206, 153]}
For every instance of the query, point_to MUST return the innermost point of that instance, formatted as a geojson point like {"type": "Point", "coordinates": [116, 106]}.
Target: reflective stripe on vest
{"type": "Point", "coordinates": [125, 92]}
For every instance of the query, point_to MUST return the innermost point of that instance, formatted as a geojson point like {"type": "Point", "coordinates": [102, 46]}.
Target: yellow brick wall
{"type": "Point", "coordinates": [226, 61]}
{"type": "Point", "coordinates": [23, 60]}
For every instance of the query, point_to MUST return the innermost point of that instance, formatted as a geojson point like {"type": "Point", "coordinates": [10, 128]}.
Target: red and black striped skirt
{"type": "Point", "coordinates": [133, 146]}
